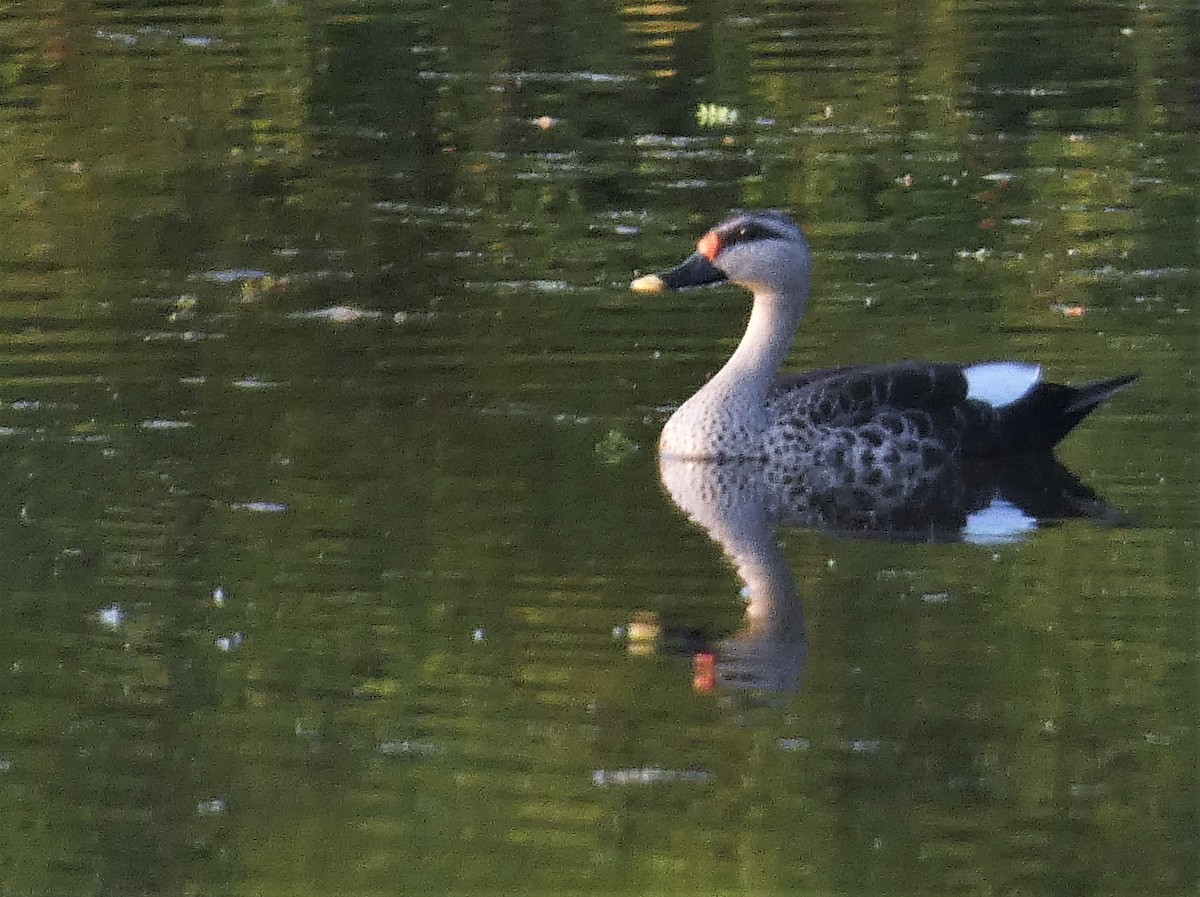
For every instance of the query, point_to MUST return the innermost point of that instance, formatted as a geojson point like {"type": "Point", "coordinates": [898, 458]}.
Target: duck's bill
{"type": "Point", "coordinates": [696, 271]}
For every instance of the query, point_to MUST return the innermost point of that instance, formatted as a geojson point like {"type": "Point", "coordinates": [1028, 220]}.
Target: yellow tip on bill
{"type": "Point", "coordinates": [647, 283]}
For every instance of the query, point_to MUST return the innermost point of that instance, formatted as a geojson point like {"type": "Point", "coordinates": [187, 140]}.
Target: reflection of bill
{"type": "Point", "coordinates": [643, 633]}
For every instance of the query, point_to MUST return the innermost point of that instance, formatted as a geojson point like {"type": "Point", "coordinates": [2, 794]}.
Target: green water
{"type": "Point", "coordinates": [335, 555]}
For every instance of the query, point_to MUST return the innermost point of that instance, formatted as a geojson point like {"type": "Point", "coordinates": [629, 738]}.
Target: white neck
{"type": "Point", "coordinates": [727, 417]}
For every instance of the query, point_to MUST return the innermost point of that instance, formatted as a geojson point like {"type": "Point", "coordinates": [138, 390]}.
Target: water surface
{"type": "Point", "coordinates": [337, 557]}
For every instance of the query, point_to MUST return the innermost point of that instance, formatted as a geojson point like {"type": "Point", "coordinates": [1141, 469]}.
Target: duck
{"type": "Point", "coordinates": [877, 419]}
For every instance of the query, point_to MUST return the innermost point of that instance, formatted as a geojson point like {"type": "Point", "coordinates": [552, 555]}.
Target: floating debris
{"type": "Point", "coordinates": [414, 317]}
{"type": "Point", "coordinates": [615, 447]}
{"type": "Point", "coordinates": [228, 643]}
{"type": "Point", "coordinates": [254, 288]}
{"type": "Point", "coordinates": [526, 286]}
{"type": "Point", "coordinates": [183, 336]}
{"type": "Point", "coordinates": [116, 37]}
{"type": "Point", "coordinates": [648, 775]}
{"type": "Point", "coordinates": [112, 616]}
{"type": "Point", "coordinates": [794, 744]}
{"type": "Point", "coordinates": [406, 747]}
{"type": "Point", "coordinates": [978, 254]}
{"type": "Point", "coordinates": [184, 308]}
{"type": "Point", "coordinates": [863, 746]}
{"type": "Point", "coordinates": [260, 507]}
{"type": "Point", "coordinates": [713, 115]}
{"type": "Point", "coordinates": [200, 41]}
{"type": "Point", "coordinates": [337, 314]}
{"type": "Point", "coordinates": [375, 688]}
{"type": "Point", "coordinates": [231, 275]}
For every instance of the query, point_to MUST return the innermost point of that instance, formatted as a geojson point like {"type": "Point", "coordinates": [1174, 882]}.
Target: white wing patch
{"type": "Point", "coordinates": [1000, 383]}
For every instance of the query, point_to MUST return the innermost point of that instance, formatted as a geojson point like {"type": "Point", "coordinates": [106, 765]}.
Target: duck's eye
{"type": "Point", "coordinates": [746, 233]}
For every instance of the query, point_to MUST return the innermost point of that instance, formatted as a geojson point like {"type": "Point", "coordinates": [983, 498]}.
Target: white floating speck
{"type": "Point", "coordinates": [337, 314]}
{"type": "Point", "coordinates": [112, 616]}
{"type": "Point", "coordinates": [230, 275]}
{"type": "Point", "coordinates": [864, 746]}
{"type": "Point", "coordinates": [260, 507]}
{"type": "Point", "coordinates": [162, 424]}
{"type": "Point", "coordinates": [116, 37]}
{"type": "Point", "coordinates": [230, 642]}
{"type": "Point", "coordinates": [420, 748]}
{"type": "Point", "coordinates": [650, 775]}
{"type": "Point", "coordinates": [200, 41]}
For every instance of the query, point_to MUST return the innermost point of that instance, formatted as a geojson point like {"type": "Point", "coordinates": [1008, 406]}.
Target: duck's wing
{"type": "Point", "coordinates": [851, 392]}
{"type": "Point", "coordinates": [974, 410]}
{"type": "Point", "coordinates": [929, 399]}
{"type": "Point", "coordinates": [875, 421]}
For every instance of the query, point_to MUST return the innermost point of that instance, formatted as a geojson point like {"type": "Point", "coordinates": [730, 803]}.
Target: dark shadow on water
{"type": "Point", "coordinates": [739, 504]}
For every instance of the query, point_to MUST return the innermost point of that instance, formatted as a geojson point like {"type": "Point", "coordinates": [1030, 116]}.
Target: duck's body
{"type": "Point", "coordinates": [876, 419]}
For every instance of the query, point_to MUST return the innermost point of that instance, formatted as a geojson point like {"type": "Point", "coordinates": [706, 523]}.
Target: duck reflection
{"type": "Point", "coordinates": [740, 504]}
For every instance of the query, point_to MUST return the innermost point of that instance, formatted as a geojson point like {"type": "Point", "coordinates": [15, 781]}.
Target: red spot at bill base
{"type": "Point", "coordinates": [709, 245]}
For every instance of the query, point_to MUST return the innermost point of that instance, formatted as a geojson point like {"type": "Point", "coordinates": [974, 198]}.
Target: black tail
{"type": "Point", "coordinates": [1039, 421]}
{"type": "Point", "coordinates": [1088, 396]}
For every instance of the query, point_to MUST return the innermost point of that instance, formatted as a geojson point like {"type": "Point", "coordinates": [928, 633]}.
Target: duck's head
{"type": "Point", "coordinates": [763, 251]}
